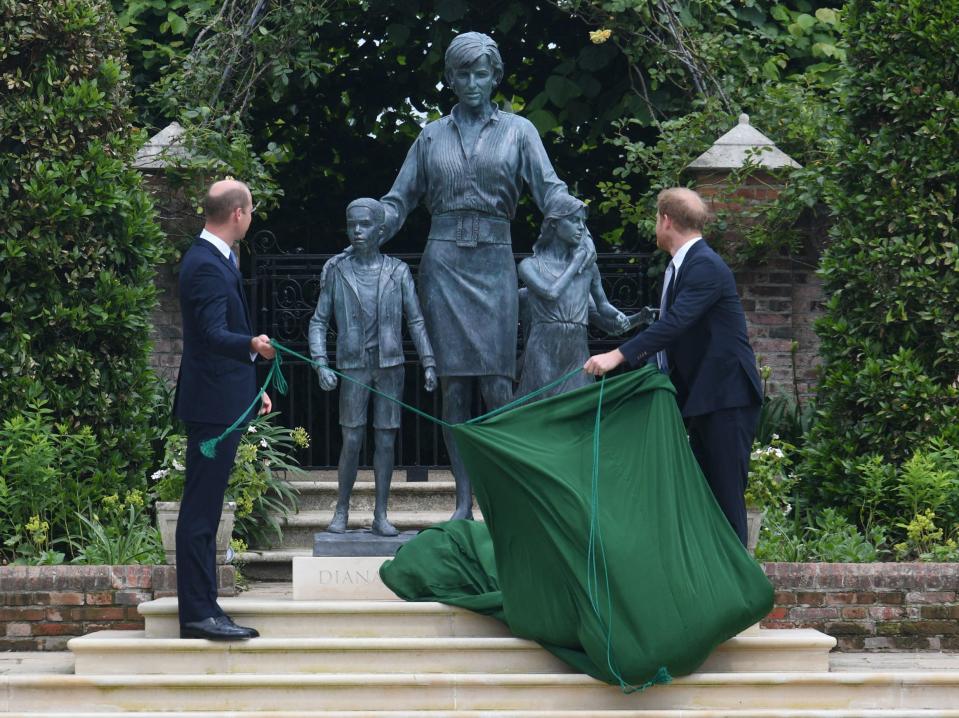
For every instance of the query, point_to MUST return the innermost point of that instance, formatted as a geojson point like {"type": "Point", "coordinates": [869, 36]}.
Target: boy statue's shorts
{"type": "Point", "coordinates": [354, 398]}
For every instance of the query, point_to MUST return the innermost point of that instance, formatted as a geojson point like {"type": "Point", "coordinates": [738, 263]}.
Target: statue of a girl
{"type": "Point", "coordinates": [562, 281]}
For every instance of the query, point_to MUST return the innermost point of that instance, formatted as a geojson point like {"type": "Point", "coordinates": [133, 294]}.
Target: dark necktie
{"type": "Point", "coordinates": [661, 360]}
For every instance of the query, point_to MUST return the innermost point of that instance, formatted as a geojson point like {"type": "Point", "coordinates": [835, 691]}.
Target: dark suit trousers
{"type": "Point", "coordinates": [200, 510]}
{"type": "Point", "coordinates": [722, 442]}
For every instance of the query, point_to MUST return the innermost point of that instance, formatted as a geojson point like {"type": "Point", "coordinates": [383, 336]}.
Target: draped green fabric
{"type": "Point", "coordinates": [621, 578]}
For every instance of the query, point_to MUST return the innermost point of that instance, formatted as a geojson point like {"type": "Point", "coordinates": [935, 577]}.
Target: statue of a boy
{"type": "Point", "coordinates": [367, 293]}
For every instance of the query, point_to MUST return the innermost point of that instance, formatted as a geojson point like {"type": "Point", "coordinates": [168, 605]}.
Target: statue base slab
{"type": "Point", "coordinates": [340, 578]}
{"type": "Point", "coordinates": [358, 542]}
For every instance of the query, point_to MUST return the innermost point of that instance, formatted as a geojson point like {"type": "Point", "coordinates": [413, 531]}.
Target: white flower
{"type": "Point", "coordinates": [251, 429]}
{"type": "Point", "coordinates": [789, 507]}
{"type": "Point", "coordinates": [177, 466]}
{"type": "Point", "coordinates": [775, 437]}
{"type": "Point", "coordinates": [266, 462]}
{"type": "Point", "coordinates": [778, 453]}
{"type": "Point", "coordinates": [263, 443]}
{"type": "Point", "coordinates": [157, 475]}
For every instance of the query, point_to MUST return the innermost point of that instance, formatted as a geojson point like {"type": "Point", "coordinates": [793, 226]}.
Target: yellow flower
{"type": "Point", "coordinates": [598, 37]}
{"type": "Point", "coordinates": [300, 438]}
{"type": "Point", "coordinates": [134, 498]}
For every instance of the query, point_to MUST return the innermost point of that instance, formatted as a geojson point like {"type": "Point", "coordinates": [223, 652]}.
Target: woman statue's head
{"type": "Point", "coordinates": [467, 49]}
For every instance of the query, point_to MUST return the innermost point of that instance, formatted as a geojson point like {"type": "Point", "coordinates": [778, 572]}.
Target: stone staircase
{"type": "Point", "coordinates": [387, 659]}
{"type": "Point", "coordinates": [414, 505]}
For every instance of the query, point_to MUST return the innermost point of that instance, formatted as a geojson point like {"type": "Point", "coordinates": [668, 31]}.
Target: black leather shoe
{"type": "Point", "coordinates": [224, 619]}
{"type": "Point", "coordinates": [214, 629]}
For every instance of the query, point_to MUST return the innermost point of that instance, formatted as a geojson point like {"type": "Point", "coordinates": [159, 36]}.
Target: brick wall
{"type": "Point", "coordinates": [180, 223]}
{"type": "Point", "coordinates": [782, 296]}
{"type": "Point", "coordinates": [872, 606]}
{"type": "Point", "coordinates": [166, 333]}
{"type": "Point", "coordinates": [782, 300]}
{"type": "Point", "coordinates": [42, 607]}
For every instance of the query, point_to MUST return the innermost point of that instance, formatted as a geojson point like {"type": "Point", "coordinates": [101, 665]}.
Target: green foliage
{"type": "Point", "coordinates": [829, 537]}
{"type": "Point", "coordinates": [913, 499]}
{"type": "Point", "coordinates": [769, 485]}
{"type": "Point", "coordinates": [908, 511]}
{"type": "Point", "coordinates": [891, 326]}
{"type": "Point", "coordinates": [77, 249]}
{"type": "Point", "coordinates": [924, 541]}
{"type": "Point", "coordinates": [124, 534]}
{"type": "Point", "coordinates": [265, 459]}
{"type": "Point", "coordinates": [51, 472]}
{"type": "Point", "coordinates": [697, 66]}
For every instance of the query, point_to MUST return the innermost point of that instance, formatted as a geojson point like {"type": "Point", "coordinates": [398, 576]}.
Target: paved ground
{"type": "Point", "coordinates": [62, 662]}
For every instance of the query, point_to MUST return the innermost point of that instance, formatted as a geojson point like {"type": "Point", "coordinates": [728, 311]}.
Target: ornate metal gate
{"type": "Point", "coordinates": [283, 290]}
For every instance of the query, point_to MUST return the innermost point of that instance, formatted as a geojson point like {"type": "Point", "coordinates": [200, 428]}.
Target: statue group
{"type": "Point", "coordinates": [469, 169]}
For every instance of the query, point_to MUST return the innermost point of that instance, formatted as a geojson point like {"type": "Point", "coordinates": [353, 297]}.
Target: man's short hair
{"type": "Point", "coordinates": [684, 206]}
{"type": "Point", "coordinates": [467, 48]}
{"type": "Point", "coordinates": [374, 205]}
{"type": "Point", "coordinates": [218, 207]}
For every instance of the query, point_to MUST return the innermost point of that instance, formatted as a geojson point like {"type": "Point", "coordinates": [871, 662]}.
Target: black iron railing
{"type": "Point", "coordinates": [283, 289]}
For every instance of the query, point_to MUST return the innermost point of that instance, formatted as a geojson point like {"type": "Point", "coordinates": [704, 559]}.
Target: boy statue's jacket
{"type": "Point", "coordinates": [340, 298]}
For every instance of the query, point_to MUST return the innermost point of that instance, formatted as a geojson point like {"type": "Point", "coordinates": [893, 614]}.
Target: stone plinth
{"type": "Point", "coordinates": [358, 542]}
{"type": "Point", "coordinates": [339, 578]}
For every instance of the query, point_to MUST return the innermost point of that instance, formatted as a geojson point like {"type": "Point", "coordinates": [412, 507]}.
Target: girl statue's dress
{"type": "Point", "coordinates": [559, 291]}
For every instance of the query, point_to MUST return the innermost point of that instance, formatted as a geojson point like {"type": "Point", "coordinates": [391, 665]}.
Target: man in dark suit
{"type": "Point", "coordinates": [700, 340]}
{"type": "Point", "coordinates": [217, 384]}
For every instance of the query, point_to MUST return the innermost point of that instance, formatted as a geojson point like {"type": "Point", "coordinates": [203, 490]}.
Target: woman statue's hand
{"type": "Point", "coordinates": [586, 244]}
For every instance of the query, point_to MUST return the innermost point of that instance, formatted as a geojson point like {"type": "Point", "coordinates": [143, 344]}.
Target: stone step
{"type": "Point", "coordinates": [123, 652]}
{"type": "Point", "coordinates": [749, 712]}
{"type": "Point", "coordinates": [400, 476]}
{"type": "Point", "coordinates": [298, 529]}
{"type": "Point", "coordinates": [270, 564]}
{"type": "Point", "coordinates": [417, 497]}
{"type": "Point", "coordinates": [723, 693]}
{"type": "Point", "coordinates": [282, 618]}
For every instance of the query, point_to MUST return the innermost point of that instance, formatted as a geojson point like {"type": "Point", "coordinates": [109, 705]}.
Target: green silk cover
{"type": "Point", "coordinates": [641, 575]}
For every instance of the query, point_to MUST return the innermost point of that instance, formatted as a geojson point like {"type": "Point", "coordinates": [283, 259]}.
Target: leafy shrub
{"type": "Point", "coordinates": [827, 537]}
{"type": "Point", "coordinates": [891, 324]}
{"type": "Point", "coordinates": [124, 535]}
{"type": "Point", "coordinates": [911, 501]}
{"type": "Point", "coordinates": [50, 473]}
{"type": "Point", "coordinates": [258, 482]}
{"type": "Point", "coordinates": [769, 485]}
{"type": "Point", "coordinates": [77, 249]}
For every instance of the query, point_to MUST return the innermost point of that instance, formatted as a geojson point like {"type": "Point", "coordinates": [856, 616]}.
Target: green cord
{"type": "Point", "coordinates": [593, 572]}
{"type": "Point", "coordinates": [275, 375]}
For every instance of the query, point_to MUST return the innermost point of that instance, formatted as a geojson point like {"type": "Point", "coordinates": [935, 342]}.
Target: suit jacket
{"type": "Point", "coordinates": [217, 380]}
{"type": "Point", "coordinates": [711, 362]}
{"type": "Point", "coordinates": [340, 299]}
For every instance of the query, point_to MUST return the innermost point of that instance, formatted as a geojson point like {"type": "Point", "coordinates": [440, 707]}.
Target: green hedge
{"type": "Point", "coordinates": [890, 334]}
{"type": "Point", "coordinates": [78, 242]}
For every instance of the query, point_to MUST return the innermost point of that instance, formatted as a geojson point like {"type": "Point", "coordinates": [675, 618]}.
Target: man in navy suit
{"type": "Point", "coordinates": [700, 340]}
{"type": "Point", "coordinates": [217, 384]}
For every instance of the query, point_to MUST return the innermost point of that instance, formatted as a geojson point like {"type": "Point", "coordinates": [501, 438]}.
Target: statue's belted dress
{"type": "Point", "coordinates": [467, 277]}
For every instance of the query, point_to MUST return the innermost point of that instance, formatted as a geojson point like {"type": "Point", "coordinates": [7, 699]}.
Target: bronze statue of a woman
{"type": "Point", "coordinates": [469, 169]}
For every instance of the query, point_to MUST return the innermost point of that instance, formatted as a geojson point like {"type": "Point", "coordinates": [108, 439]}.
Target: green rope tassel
{"type": "Point", "coordinates": [278, 381]}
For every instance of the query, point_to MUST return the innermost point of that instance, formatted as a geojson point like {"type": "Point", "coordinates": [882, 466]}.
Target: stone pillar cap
{"type": "Point", "coordinates": [162, 150]}
{"type": "Point", "coordinates": [741, 145]}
